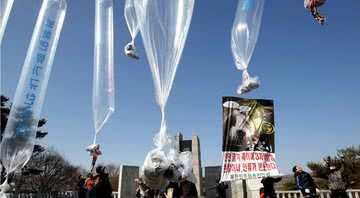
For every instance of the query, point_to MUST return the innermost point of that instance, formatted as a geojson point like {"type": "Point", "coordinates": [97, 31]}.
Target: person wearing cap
{"type": "Point", "coordinates": [304, 182]}
{"type": "Point", "coordinates": [235, 129]}
{"type": "Point", "coordinates": [336, 184]}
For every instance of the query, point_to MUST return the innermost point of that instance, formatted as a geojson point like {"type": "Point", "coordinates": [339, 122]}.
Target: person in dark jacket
{"type": "Point", "coordinates": [268, 183]}
{"type": "Point", "coordinates": [221, 189]}
{"type": "Point", "coordinates": [173, 190]}
{"type": "Point", "coordinates": [188, 189]}
{"type": "Point", "coordinates": [82, 189]}
{"type": "Point", "coordinates": [101, 188]}
{"type": "Point", "coordinates": [304, 182]}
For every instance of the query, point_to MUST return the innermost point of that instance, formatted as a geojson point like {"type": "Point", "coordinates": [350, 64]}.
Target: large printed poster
{"type": "Point", "coordinates": [248, 139]}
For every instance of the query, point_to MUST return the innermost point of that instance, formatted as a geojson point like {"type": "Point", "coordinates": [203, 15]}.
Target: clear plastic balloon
{"type": "Point", "coordinates": [19, 137]}
{"type": "Point", "coordinates": [103, 85]}
{"type": "Point", "coordinates": [244, 36]}
{"type": "Point", "coordinates": [164, 25]}
{"type": "Point", "coordinates": [164, 28]}
{"type": "Point", "coordinates": [5, 9]}
{"type": "Point", "coordinates": [133, 26]}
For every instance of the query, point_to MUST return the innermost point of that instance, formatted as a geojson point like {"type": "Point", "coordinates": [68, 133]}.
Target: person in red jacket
{"type": "Point", "coordinates": [89, 182]}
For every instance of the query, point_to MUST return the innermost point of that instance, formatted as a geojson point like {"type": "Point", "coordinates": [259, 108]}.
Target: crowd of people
{"type": "Point", "coordinates": [95, 185]}
{"type": "Point", "coordinates": [304, 182]}
{"type": "Point", "coordinates": [183, 189]}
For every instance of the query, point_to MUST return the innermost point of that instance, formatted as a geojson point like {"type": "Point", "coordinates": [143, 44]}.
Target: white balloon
{"type": "Point", "coordinates": [103, 84]}
{"type": "Point", "coordinates": [5, 10]}
{"type": "Point", "coordinates": [19, 137]}
{"type": "Point", "coordinates": [133, 26]}
{"type": "Point", "coordinates": [244, 36]}
{"type": "Point", "coordinates": [164, 27]}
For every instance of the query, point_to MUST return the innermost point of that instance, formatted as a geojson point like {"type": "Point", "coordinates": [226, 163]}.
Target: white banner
{"type": "Point", "coordinates": [248, 165]}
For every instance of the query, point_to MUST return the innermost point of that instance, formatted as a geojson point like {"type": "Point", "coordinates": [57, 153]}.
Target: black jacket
{"type": "Point", "coordinates": [221, 190]}
{"type": "Point", "coordinates": [305, 183]}
{"type": "Point", "coordinates": [268, 184]}
{"type": "Point", "coordinates": [188, 189]}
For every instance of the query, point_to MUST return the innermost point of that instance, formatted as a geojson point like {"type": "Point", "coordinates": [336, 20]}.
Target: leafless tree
{"type": "Point", "coordinates": [57, 174]}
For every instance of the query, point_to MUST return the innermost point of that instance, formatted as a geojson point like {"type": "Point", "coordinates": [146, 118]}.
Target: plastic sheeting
{"type": "Point", "coordinates": [103, 85]}
{"type": "Point", "coordinates": [162, 166]}
{"type": "Point", "coordinates": [164, 26]}
{"type": "Point", "coordinates": [133, 26]}
{"type": "Point", "coordinates": [19, 137]}
{"type": "Point", "coordinates": [244, 36]}
{"type": "Point", "coordinates": [5, 9]}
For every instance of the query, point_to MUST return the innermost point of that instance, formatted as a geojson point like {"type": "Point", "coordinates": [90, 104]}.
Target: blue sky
{"type": "Point", "coordinates": [311, 72]}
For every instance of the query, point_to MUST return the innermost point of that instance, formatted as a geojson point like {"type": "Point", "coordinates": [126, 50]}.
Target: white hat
{"type": "Point", "coordinates": [332, 167]}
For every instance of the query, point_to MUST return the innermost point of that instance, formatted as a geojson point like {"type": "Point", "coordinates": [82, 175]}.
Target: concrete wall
{"type": "Point", "coordinates": [211, 174]}
{"type": "Point", "coordinates": [252, 188]}
{"type": "Point", "coordinates": [194, 143]}
{"type": "Point", "coordinates": [196, 163]}
{"type": "Point", "coordinates": [127, 185]}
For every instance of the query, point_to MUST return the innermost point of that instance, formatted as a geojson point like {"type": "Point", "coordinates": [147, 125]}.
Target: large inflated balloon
{"type": "Point", "coordinates": [103, 85]}
{"type": "Point", "coordinates": [164, 28]}
{"type": "Point", "coordinates": [133, 26]}
{"type": "Point", "coordinates": [5, 9]}
{"type": "Point", "coordinates": [164, 25]}
{"type": "Point", "coordinates": [19, 137]}
{"type": "Point", "coordinates": [244, 36]}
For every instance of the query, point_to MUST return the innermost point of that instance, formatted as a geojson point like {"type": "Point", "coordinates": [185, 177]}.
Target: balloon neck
{"type": "Point", "coordinates": [162, 138]}
{"type": "Point", "coordinates": [163, 121]}
{"type": "Point", "coordinates": [95, 137]}
{"type": "Point", "coordinates": [246, 75]}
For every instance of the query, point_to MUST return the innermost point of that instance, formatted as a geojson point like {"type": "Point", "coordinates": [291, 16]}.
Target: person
{"type": "Point", "coordinates": [261, 191]}
{"type": "Point", "coordinates": [99, 190]}
{"type": "Point", "coordinates": [304, 182]}
{"type": "Point", "coordinates": [336, 184]}
{"type": "Point", "coordinates": [82, 189]}
{"type": "Point", "coordinates": [173, 190]}
{"type": "Point", "coordinates": [142, 190]}
{"type": "Point", "coordinates": [93, 191]}
{"type": "Point", "coordinates": [313, 5]}
{"type": "Point", "coordinates": [188, 189]}
{"type": "Point", "coordinates": [89, 182]}
{"type": "Point", "coordinates": [104, 187]}
{"type": "Point", "coordinates": [235, 129]}
{"type": "Point", "coordinates": [268, 183]}
{"type": "Point", "coordinates": [221, 189]}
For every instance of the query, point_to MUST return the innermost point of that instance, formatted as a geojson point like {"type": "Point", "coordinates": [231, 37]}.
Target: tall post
{"type": "Point", "coordinates": [244, 187]}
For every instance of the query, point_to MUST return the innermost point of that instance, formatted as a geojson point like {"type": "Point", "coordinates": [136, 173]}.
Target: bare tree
{"type": "Point", "coordinates": [56, 174]}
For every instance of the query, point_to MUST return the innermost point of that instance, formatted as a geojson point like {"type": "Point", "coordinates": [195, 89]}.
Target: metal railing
{"type": "Point", "coordinates": [322, 194]}
{"type": "Point", "coordinates": [280, 194]}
